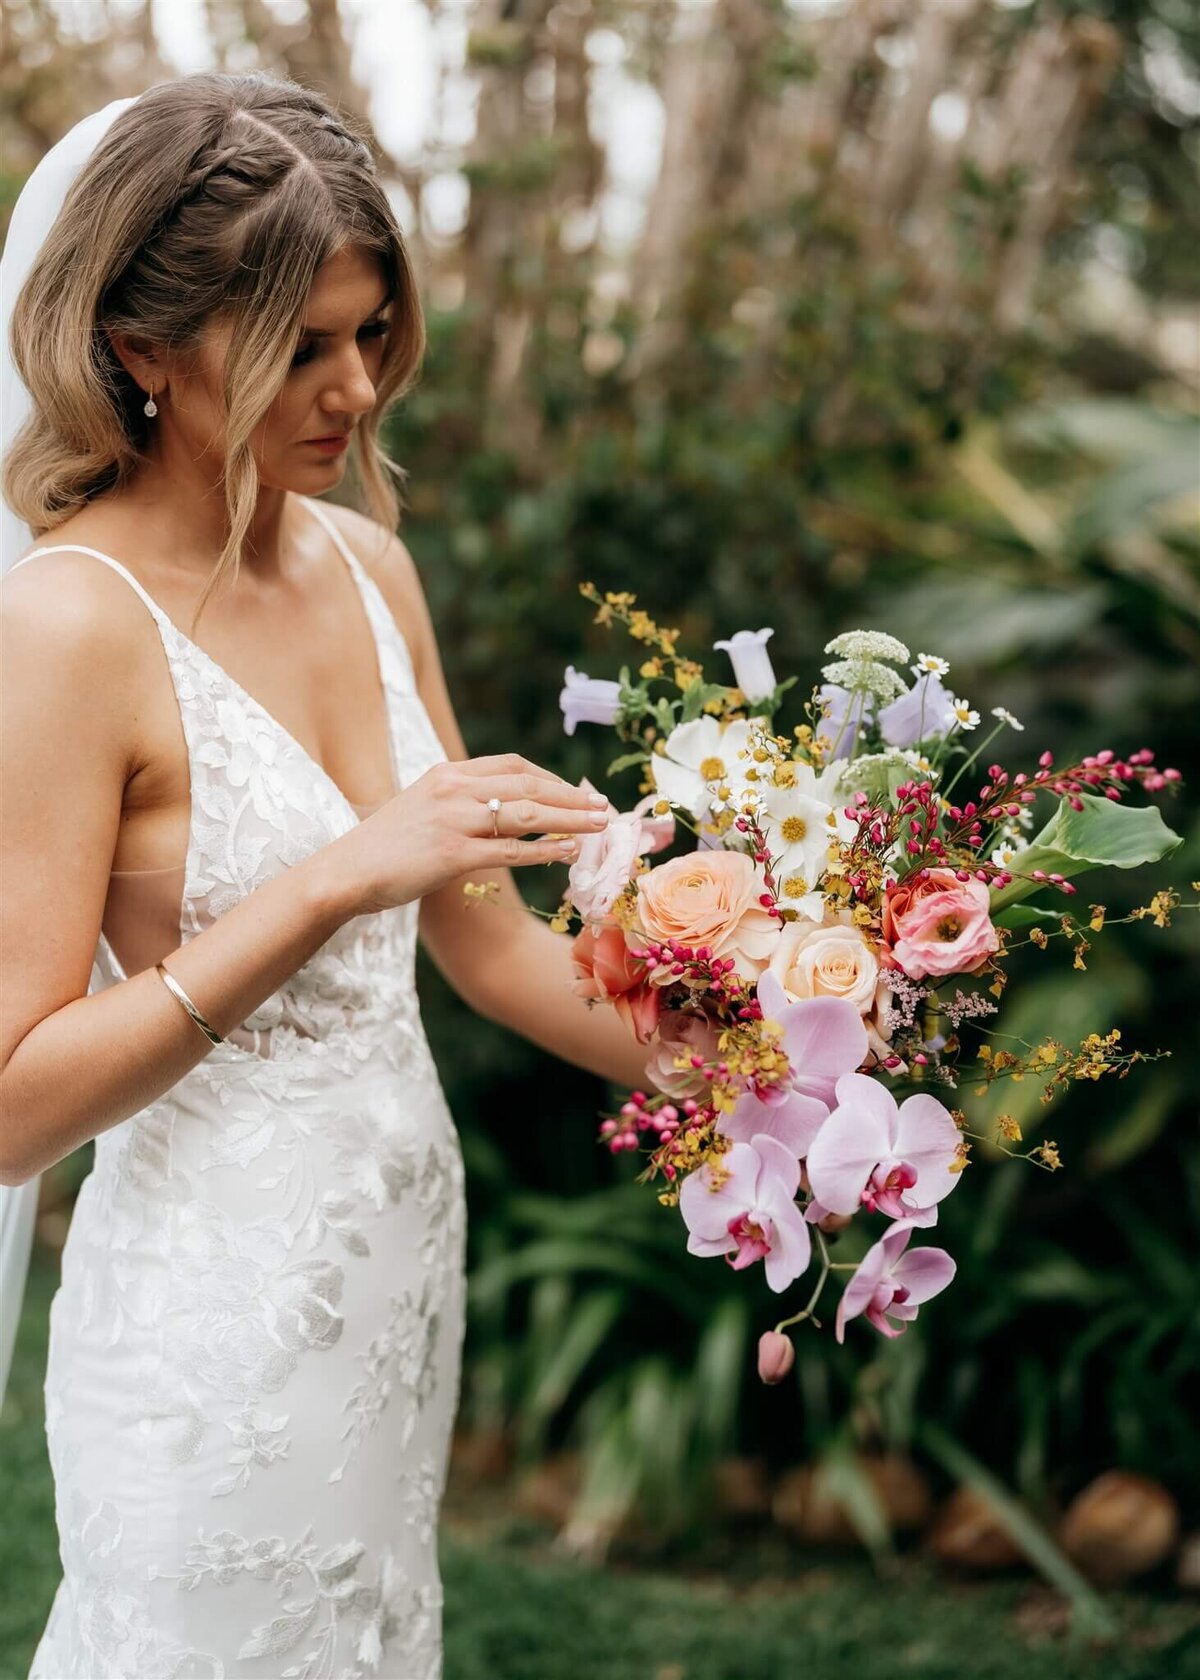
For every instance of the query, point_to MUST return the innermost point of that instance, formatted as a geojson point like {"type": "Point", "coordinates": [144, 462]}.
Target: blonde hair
{"type": "Point", "coordinates": [213, 195]}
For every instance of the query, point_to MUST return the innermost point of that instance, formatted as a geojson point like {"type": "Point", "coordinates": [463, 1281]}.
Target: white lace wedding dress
{"type": "Point", "coordinates": [254, 1352]}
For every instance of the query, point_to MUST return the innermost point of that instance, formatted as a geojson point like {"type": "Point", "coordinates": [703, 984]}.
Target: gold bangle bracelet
{"type": "Point", "coordinates": [174, 986]}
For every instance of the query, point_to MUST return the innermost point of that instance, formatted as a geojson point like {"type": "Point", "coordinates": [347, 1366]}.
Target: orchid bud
{"type": "Point", "coordinates": [776, 1356]}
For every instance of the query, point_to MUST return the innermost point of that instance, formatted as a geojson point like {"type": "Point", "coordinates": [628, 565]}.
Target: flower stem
{"type": "Point", "coordinates": [967, 762]}
{"type": "Point", "coordinates": [815, 1296]}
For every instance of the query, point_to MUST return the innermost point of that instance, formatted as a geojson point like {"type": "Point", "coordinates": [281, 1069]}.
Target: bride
{"type": "Point", "coordinates": [235, 795]}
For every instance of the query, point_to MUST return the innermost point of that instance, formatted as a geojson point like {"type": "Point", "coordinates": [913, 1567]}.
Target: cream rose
{"type": "Point", "coordinates": [827, 959]}
{"type": "Point", "coordinates": [707, 898]}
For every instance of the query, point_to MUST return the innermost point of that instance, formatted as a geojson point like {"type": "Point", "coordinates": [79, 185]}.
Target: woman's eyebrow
{"type": "Point", "coordinates": [325, 332]}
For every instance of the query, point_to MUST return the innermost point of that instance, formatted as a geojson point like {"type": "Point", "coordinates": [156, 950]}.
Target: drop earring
{"type": "Point", "coordinates": [151, 407]}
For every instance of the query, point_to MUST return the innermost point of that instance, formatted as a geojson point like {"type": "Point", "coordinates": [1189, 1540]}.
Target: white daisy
{"type": "Point", "coordinates": [967, 719]}
{"type": "Point", "coordinates": [799, 822]}
{"type": "Point", "coordinates": [930, 662]}
{"type": "Point", "coordinates": [1006, 717]}
{"type": "Point", "coordinates": [699, 758]}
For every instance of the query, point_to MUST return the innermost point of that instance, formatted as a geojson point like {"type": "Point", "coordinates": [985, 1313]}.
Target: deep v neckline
{"type": "Point", "coordinates": [246, 698]}
{"type": "Point", "coordinates": [270, 718]}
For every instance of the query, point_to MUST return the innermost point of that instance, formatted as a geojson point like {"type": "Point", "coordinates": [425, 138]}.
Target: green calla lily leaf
{"type": "Point", "coordinates": [1102, 833]}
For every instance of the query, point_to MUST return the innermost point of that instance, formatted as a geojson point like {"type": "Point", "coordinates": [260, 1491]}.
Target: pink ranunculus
{"type": "Point", "coordinates": [823, 1038]}
{"type": "Point", "coordinates": [606, 860]}
{"type": "Point", "coordinates": [607, 971]}
{"type": "Point", "coordinates": [871, 1153]}
{"type": "Point", "coordinates": [753, 1214]}
{"type": "Point", "coordinates": [708, 898]}
{"type": "Point", "coordinates": [681, 1033]}
{"type": "Point", "coordinates": [938, 926]}
{"type": "Point", "coordinates": [892, 1284]}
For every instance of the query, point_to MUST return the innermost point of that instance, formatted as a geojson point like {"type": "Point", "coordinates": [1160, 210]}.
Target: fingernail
{"type": "Point", "coordinates": [600, 799]}
{"type": "Point", "coordinates": [567, 846]}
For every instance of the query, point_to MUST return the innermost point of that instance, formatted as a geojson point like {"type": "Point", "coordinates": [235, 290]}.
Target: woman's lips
{"type": "Point", "coordinates": [330, 445]}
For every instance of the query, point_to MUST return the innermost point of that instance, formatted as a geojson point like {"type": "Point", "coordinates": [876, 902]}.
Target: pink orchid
{"type": "Point", "coordinates": [753, 1214]}
{"type": "Point", "coordinates": [606, 859]}
{"type": "Point", "coordinates": [892, 1284]}
{"type": "Point", "coordinates": [872, 1153]}
{"type": "Point", "coordinates": [823, 1038]}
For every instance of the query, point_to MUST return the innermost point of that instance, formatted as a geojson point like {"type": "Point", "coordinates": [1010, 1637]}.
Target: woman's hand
{"type": "Point", "coordinates": [440, 826]}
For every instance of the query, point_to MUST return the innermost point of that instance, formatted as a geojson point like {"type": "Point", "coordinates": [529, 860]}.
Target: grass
{"type": "Point", "coordinates": [516, 1611]}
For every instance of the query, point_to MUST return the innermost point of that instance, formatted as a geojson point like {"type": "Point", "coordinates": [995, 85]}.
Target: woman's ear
{"type": "Point", "coordinates": [144, 365]}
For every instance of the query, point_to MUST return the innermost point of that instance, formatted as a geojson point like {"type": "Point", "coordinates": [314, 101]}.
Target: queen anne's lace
{"type": "Point", "coordinates": [254, 1353]}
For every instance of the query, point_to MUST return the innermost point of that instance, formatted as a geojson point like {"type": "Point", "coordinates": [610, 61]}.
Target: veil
{"type": "Point", "coordinates": [33, 216]}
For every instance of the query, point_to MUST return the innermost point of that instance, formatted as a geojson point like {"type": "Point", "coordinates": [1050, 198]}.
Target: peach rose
{"type": "Point", "coordinates": [708, 898]}
{"type": "Point", "coordinates": [607, 972]}
{"type": "Point", "coordinates": [681, 1032]}
{"type": "Point", "coordinates": [939, 926]}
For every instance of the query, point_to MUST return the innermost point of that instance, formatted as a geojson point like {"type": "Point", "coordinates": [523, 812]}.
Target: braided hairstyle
{"type": "Point", "coordinates": [215, 195]}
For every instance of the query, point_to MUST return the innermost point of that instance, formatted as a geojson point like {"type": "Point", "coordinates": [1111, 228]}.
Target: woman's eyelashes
{"type": "Point", "coordinates": [373, 329]}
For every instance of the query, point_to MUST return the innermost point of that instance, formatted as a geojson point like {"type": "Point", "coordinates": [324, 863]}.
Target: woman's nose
{"type": "Point", "coordinates": [355, 389]}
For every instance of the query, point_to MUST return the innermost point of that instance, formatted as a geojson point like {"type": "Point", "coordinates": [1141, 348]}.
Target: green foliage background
{"type": "Point", "coordinates": [1015, 503]}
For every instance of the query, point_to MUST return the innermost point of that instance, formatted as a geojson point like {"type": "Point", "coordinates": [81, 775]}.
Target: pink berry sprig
{"type": "Point", "coordinates": [878, 829]}
{"type": "Point", "coordinates": [1002, 799]}
{"type": "Point", "coordinates": [640, 1114]}
{"type": "Point", "coordinates": [701, 971]}
{"type": "Point", "coordinates": [761, 853]}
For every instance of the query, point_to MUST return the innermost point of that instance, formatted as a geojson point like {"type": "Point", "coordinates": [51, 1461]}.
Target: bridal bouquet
{"type": "Point", "coordinates": [853, 890]}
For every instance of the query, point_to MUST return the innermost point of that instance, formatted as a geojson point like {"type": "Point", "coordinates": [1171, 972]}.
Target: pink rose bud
{"type": "Point", "coordinates": [776, 1356]}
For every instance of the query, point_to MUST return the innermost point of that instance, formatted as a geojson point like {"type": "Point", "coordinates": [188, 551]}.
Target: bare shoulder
{"type": "Point", "coordinates": [75, 633]}
{"type": "Point", "coordinates": [388, 562]}
{"type": "Point", "coordinates": [74, 601]}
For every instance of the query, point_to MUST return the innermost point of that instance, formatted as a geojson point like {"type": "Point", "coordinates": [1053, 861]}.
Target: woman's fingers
{"type": "Point", "coordinates": [515, 853]}
{"type": "Point", "coordinates": [532, 816]}
{"type": "Point", "coordinates": [518, 778]}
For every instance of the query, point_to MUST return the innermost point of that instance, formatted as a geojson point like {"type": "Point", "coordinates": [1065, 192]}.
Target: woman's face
{"type": "Point", "coordinates": [332, 381]}
{"type": "Point", "coordinates": [330, 386]}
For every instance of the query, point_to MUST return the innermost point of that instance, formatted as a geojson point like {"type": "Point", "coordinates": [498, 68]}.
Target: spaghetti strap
{"type": "Point", "coordinates": [81, 548]}
{"type": "Point", "coordinates": [323, 518]}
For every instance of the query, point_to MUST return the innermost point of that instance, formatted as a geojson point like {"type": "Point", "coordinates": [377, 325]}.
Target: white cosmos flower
{"type": "Point", "coordinates": [700, 757]}
{"type": "Point", "coordinates": [967, 719]}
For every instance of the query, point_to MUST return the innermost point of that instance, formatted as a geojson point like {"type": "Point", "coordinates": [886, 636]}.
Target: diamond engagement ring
{"type": "Point", "coordinates": [493, 806]}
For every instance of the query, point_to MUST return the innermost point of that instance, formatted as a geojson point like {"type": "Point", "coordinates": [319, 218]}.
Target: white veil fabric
{"type": "Point", "coordinates": [33, 216]}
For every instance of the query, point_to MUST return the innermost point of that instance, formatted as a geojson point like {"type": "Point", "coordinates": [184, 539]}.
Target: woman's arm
{"type": "Point", "coordinates": [72, 1066]}
{"type": "Point", "coordinates": [525, 984]}
{"type": "Point", "coordinates": [500, 958]}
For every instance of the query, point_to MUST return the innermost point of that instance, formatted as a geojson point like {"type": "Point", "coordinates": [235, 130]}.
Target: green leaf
{"type": "Point", "coordinates": [1102, 833]}
{"type": "Point", "coordinates": [626, 762]}
{"type": "Point", "coordinates": [1091, 1615]}
{"type": "Point", "coordinates": [696, 696]}
{"type": "Point", "coordinates": [590, 1322]}
{"type": "Point", "coordinates": [847, 1483]}
{"type": "Point", "coordinates": [1125, 500]}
